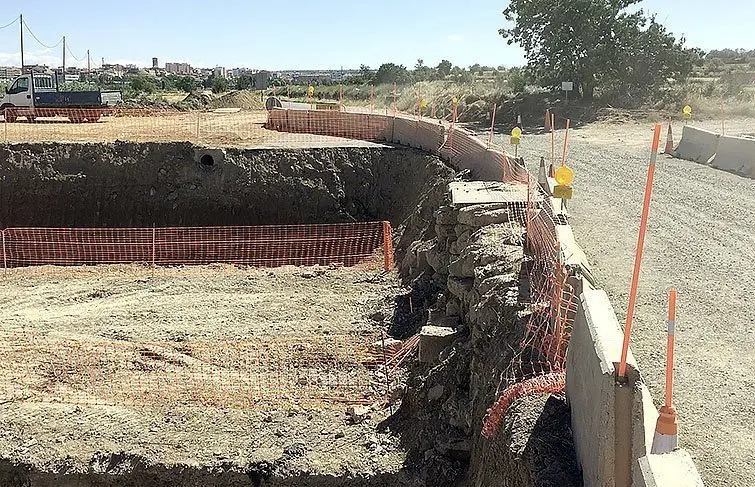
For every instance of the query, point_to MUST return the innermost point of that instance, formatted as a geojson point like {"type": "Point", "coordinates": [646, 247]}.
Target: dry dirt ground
{"type": "Point", "coordinates": [113, 307]}
{"type": "Point", "coordinates": [701, 240]}
{"type": "Point", "coordinates": [228, 129]}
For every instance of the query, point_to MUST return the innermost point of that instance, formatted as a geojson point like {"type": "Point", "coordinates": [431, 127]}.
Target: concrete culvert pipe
{"type": "Point", "coordinates": [273, 102]}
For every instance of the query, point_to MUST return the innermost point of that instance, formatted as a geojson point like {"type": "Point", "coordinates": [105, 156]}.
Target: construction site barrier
{"type": "Point", "coordinates": [735, 154]}
{"type": "Point", "coordinates": [346, 244]}
{"type": "Point", "coordinates": [696, 145]}
{"type": "Point", "coordinates": [217, 127]}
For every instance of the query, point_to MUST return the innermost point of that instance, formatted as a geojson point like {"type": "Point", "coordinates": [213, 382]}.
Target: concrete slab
{"type": "Point", "coordinates": [432, 341]}
{"type": "Point", "coordinates": [600, 439]}
{"type": "Point", "coordinates": [696, 145]}
{"type": "Point", "coordinates": [674, 469]}
{"type": "Point", "coordinates": [476, 192]}
{"type": "Point", "coordinates": [735, 154]}
{"type": "Point", "coordinates": [573, 253]}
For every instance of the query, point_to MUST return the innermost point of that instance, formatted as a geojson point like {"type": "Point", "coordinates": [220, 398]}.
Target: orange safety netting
{"type": "Point", "coordinates": [346, 244]}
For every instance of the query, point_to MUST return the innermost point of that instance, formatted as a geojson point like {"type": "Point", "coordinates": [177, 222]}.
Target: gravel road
{"type": "Point", "coordinates": [701, 240]}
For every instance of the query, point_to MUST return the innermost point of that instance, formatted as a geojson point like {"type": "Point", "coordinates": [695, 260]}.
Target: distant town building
{"type": "Point", "coordinates": [8, 73]}
{"type": "Point", "coordinates": [219, 72]}
{"type": "Point", "coordinates": [155, 64]}
{"type": "Point", "coordinates": [261, 80]}
{"type": "Point", "coordinates": [178, 68]}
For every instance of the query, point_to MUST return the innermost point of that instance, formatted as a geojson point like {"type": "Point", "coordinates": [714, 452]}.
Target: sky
{"type": "Point", "coordinates": [315, 34]}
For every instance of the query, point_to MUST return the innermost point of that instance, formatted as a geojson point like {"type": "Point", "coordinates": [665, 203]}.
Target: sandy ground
{"type": "Point", "coordinates": [701, 240]}
{"type": "Point", "coordinates": [142, 334]}
{"type": "Point", "coordinates": [234, 129]}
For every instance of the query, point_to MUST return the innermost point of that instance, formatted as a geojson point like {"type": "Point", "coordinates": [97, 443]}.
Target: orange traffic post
{"type": "Point", "coordinates": [666, 436]}
{"type": "Point", "coordinates": [492, 125]}
{"type": "Point", "coordinates": [553, 144]}
{"type": "Point", "coordinates": [638, 253]}
{"type": "Point", "coordinates": [566, 140]}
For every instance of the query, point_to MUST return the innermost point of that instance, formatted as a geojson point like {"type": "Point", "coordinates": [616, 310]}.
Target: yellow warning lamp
{"type": "Point", "coordinates": [311, 90]}
{"type": "Point", "coordinates": [564, 177]}
{"type": "Point", "coordinates": [516, 134]}
{"type": "Point", "coordinates": [455, 101]}
{"type": "Point", "coordinates": [687, 112]}
{"type": "Point", "coordinates": [423, 104]}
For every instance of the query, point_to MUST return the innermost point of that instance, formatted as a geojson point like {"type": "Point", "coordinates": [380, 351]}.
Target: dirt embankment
{"type": "Point", "coordinates": [178, 184]}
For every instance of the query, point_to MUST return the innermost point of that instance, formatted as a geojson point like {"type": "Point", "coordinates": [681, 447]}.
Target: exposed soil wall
{"type": "Point", "coordinates": [178, 184]}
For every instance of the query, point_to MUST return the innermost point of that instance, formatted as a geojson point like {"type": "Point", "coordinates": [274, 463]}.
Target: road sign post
{"type": "Point", "coordinates": [567, 86]}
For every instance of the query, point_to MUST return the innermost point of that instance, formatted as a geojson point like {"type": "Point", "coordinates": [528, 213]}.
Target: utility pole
{"type": "Point", "coordinates": [64, 59]}
{"type": "Point", "coordinates": [21, 21]}
{"type": "Point", "coordinates": [89, 63]}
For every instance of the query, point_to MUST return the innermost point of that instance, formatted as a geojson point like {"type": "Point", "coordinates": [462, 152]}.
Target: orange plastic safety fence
{"type": "Point", "coordinates": [346, 244]}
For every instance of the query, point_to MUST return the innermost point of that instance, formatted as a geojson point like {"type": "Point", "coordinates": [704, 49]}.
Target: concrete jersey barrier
{"type": "Point", "coordinates": [735, 154]}
{"type": "Point", "coordinates": [696, 145]}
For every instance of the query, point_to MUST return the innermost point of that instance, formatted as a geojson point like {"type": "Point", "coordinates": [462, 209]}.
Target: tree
{"type": "Point", "coordinates": [219, 85]}
{"type": "Point", "coordinates": [598, 44]}
{"type": "Point", "coordinates": [422, 72]}
{"type": "Point", "coordinates": [143, 84]}
{"type": "Point", "coordinates": [444, 68]}
{"type": "Point", "coordinates": [244, 82]}
{"type": "Point", "coordinates": [391, 73]}
{"type": "Point", "coordinates": [187, 84]}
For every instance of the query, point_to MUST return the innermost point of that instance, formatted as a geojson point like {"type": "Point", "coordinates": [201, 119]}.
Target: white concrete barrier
{"type": "Point", "coordinates": [735, 154]}
{"type": "Point", "coordinates": [696, 145]}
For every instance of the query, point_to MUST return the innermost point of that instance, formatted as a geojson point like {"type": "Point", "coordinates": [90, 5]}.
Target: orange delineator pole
{"type": "Point", "coordinates": [638, 253]}
{"type": "Point", "coordinates": [670, 347]}
{"type": "Point", "coordinates": [566, 139]}
{"type": "Point", "coordinates": [492, 125]}
{"type": "Point", "coordinates": [553, 144]}
{"type": "Point", "coordinates": [666, 438]}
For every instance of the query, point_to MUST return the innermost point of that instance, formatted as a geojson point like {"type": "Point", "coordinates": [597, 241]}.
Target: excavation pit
{"type": "Point", "coordinates": [165, 373]}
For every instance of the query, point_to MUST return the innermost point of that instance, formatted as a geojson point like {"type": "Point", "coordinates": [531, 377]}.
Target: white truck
{"type": "Point", "coordinates": [38, 95]}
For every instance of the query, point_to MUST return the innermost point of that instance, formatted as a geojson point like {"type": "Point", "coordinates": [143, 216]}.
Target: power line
{"type": "Point", "coordinates": [68, 48]}
{"type": "Point", "coordinates": [40, 42]}
{"type": "Point", "coordinates": [8, 25]}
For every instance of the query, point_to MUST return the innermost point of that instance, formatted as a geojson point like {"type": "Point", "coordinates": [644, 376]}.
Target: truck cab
{"type": "Point", "coordinates": [19, 94]}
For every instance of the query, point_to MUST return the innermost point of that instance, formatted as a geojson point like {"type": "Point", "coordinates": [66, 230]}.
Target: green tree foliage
{"type": "Point", "coordinates": [598, 44]}
{"type": "Point", "coordinates": [424, 73]}
{"type": "Point", "coordinates": [187, 84]}
{"type": "Point", "coordinates": [392, 73]}
{"type": "Point", "coordinates": [444, 68]}
{"type": "Point", "coordinates": [219, 85]}
{"type": "Point", "coordinates": [143, 84]}
{"type": "Point", "coordinates": [244, 82]}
